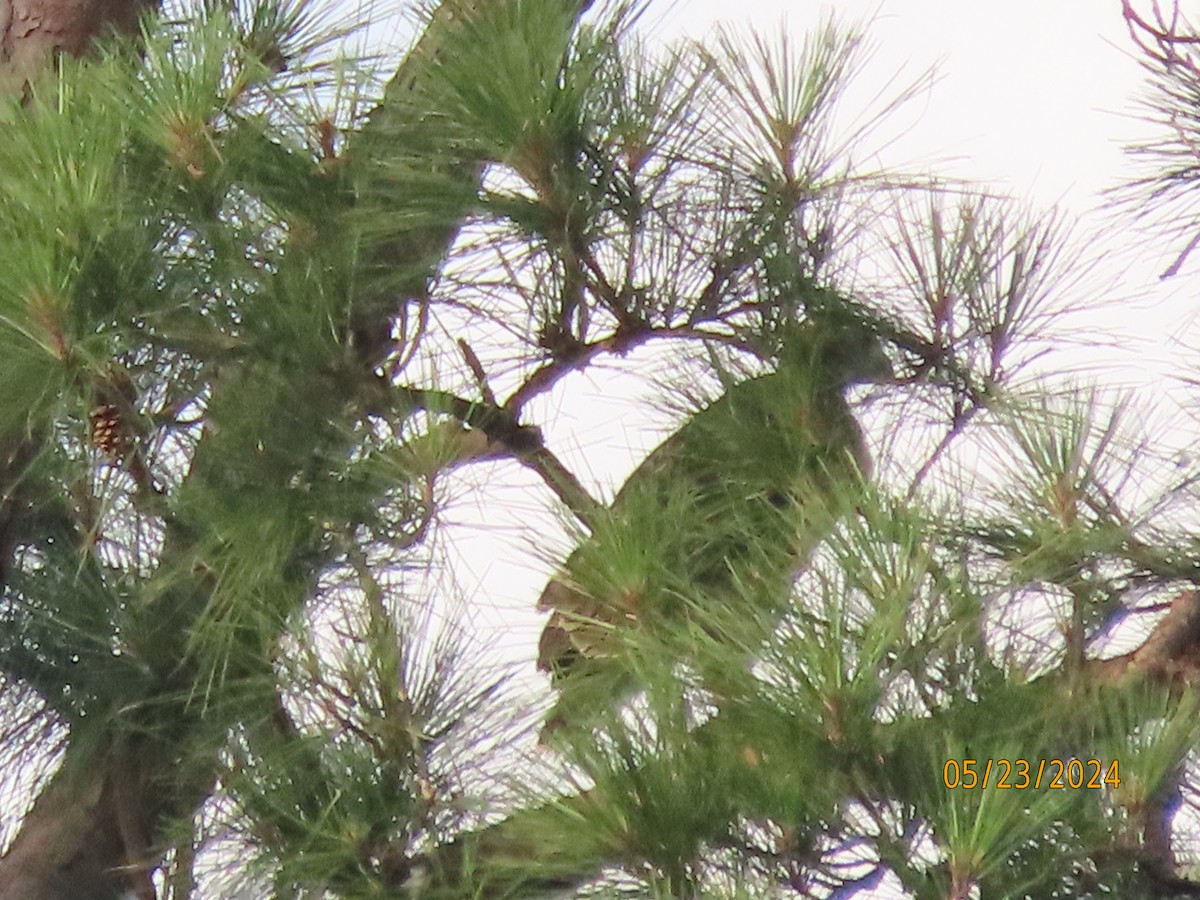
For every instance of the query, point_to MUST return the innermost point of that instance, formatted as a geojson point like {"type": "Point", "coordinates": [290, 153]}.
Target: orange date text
{"type": "Point", "coordinates": [1024, 774]}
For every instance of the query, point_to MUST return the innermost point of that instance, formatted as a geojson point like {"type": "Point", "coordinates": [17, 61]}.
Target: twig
{"type": "Point", "coordinates": [507, 437]}
{"type": "Point", "coordinates": [476, 368]}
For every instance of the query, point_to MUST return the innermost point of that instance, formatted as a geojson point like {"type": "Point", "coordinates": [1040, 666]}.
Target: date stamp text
{"type": "Point", "coordinates": [1025, 774]}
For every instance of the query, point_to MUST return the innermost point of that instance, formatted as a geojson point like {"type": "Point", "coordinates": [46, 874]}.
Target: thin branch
{"type": "Point", "coordinates": [1162, 32]}
{"type": "Point", "coordinates": [959, 424]}
{"type": "Point", "coordinates": [476, 367]}
{"type": "Point", "coordinates": [563, 482]}
{"type": "Point", "coordinates": [505, 436]}
{"type": "Point", "coordinates": [618, 344]}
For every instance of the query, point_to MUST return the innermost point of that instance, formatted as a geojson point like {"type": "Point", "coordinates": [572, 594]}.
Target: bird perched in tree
{"type": "Point", "coordinates": [737, 497]}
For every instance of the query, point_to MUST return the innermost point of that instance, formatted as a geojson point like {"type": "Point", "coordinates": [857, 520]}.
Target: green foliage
{"type": "Point", "coordinates": [256, 315]}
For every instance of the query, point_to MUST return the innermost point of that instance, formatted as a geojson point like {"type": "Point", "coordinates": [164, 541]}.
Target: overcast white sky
{"type": "Point", "coordinates": [1029, 101]}
{"type": "Point", "coordinates": [1034, 98]}
{"type": "Point", "coordinates": [1028, 87]}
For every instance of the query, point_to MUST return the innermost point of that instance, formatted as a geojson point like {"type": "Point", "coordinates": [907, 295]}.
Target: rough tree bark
{"type": "Point", "coordinates": [77, 840]}
{"type": "Point", "coordinates": [35, 31]}
{"type": "Point", "coordinates": [81, 839]}
{"type": "Point", "coordinates": [97, 831]}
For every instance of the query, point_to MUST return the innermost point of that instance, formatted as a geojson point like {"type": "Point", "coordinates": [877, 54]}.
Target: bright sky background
{"type": "Point", "coordinates": [1031, 98]}
{"type": "Point", "coordinates": [1027, 91]}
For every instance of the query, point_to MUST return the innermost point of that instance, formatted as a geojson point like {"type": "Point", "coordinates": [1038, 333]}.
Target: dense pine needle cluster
{"type": "Point", "coordinates": [265, 312]}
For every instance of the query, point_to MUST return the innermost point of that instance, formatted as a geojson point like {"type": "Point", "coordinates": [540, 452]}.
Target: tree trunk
{"type": "Point", "coordinates": [86, 836]}
{"type": "Point", "coordinates": [96, 832]}
{"type": "Point", "coordinates": [31, 31]}
{"type": "Point", "coordinates": [80, 840]}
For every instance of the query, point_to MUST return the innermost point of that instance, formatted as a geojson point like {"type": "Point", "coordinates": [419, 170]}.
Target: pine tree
{"type": "Point", "coordinates": [259, 313]}
{"type": "Point", "coordinates": [740, 494]}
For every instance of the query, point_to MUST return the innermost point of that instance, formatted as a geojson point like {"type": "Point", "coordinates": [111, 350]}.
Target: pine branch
{"type": "Point", "coordinates": [505, 437]}
{"type": "Point", "coordinates": [183, 669]}
{"type": "Point", "coordinates": [413, 104]}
